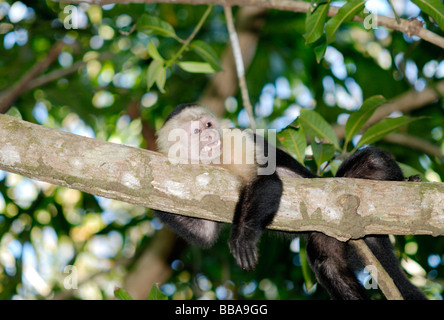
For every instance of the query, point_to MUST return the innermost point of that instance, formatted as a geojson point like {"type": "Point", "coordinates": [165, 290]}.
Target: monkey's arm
{"type": "Point", "coordinates": [328, 258]}
{"type": "Point", "coordinates": [258, 203]}
{"type": "Point", "coordinates": [203, 233]}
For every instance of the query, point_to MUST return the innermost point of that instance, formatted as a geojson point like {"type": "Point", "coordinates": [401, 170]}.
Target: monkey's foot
{"type": "Point", "coordinates": [244, 251]}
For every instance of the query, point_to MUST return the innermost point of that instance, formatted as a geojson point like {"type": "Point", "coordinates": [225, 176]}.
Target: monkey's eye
{"type": "Point", "coordinates": [209, 124]}
{"type": "Point", "coordinates": [196, 131]}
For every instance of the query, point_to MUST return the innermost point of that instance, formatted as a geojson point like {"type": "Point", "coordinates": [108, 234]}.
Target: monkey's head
{"type": "Point", "coordinates": [190, 132]}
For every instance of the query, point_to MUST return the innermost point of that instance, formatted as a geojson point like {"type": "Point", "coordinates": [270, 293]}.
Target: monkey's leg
{"type": "Point", "coordinates": [376, 164]}
{"type": "Point", "coordinates": [258, 203]}
{"type": "Point", "coordinates": [328, 259]}
{"type": "Point", "coordinates": [383, 250]}
{"type": "Point", "coordinates": [197, 231]}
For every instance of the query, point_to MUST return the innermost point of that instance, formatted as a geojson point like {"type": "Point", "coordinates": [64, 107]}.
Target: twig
{"type": "Point", "coordinates": [224, 84]}
{"type": "Point", "coordinates": [239, 64]}
{"type": "Point", "coordinates": [405, 102]}
{"type": "Point", "coordinates": [415, 143]}
{"type": "Point", "coordinates": [60, 73]}
{"type": "Point", "coordinates": [8, 98]}
{"type": "Point", "coordinates": [394, 11]}
{"type": "Point", "coordinates": [187, 42]}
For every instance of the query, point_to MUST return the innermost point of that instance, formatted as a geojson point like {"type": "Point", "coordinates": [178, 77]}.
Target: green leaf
{"type": "Point", "coordinates": [320, 50]}
{"type": "Point", "coordinates": [345, 13]}
{"type": "Point", "coordinates": [322, 152]}
{"type": "Point", "coordinates": [152, 50]}
{"type": "Point", "coordinates": [154, 69]}
{"type": "Point", "coordinates": [122, 294]}
{"type": "Point", "coordinates": [161, 79]}
{"type": "Point", "coordinates": [156, 294]}
{"type": "Point", "coordinates": [207, 53]}
{"type": "Point", "coordinates": [307, 272]}
{"type": "Point", "coordinates": [316, 126]}
{"type": "Point", "coordinates": [314, 23]}
{"type": "Point", "coordinates": [157, 74]}
{"type": "Point", "coordinates": [357, 119]}
{"type": "Point", "coordinates": [154, 25]}
{"type": "Point", "coordinates": [293, 140]}
{"type": "Point", "coordinates": [334, 166]}
{"type": "Point", "coordinates": [434, 8]}
{"type": "Point", "coordinates": [383, 128]}
{"type": "Point", "coordinates": [196, 67]}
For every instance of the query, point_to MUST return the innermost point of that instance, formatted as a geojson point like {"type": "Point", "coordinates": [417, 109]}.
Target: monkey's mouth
{"type": "Point", "coordinates": [211, 146]}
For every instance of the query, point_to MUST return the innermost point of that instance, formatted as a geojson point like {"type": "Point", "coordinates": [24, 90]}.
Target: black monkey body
{"type": "Point", "coordinates": [329, 257]}
{"type": "Point", "coordinates": [259, 200]}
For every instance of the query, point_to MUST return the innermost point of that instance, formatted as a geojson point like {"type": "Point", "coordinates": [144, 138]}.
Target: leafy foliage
{"type": "Point", "coordinates": [123, 70]}
{"type": "Point", "coordinates": [358, 119]}
{"type": "Point", "coordinates": [121, 294]}
{"type": "Point", "coordinates": [434, 8]}
{"type": "Point", "coordinates": [157, 70]}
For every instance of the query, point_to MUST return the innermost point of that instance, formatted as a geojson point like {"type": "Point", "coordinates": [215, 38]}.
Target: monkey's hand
{"type": "Point", "coordinates": [243, 246]}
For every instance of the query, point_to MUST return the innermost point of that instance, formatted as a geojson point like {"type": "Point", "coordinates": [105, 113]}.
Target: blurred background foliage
{"type": "Point", "coordinates": [58, 243]}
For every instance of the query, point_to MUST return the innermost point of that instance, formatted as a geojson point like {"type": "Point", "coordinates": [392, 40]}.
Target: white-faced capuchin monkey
{"type": "Point", "coordinates": [202, 138]}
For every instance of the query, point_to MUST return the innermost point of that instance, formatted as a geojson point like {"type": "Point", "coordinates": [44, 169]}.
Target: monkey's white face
{"type": "Point", "coordinates": [204, 139]}
{"type": "Point", "coordinates": [192, 136]}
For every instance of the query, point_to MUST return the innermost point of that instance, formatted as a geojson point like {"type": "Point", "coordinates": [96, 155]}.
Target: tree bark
{"type": "Point", "coordinates": [339, 207]}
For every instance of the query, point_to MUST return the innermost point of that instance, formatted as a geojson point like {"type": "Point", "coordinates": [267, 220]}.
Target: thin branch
{"type": "Point", "coordinates": [340, 207]}
{"type": "Point", "coordinates": [405, 103]}
{"type": "Point", "coordinates": [408, 101]}
{"type": "Point", "coordinates": [394, 11]}
{"type": "Point", "coordinates": [187, 42]}
{"type": "Point", "coordinates": [239, 62]}
{"type": "Point", "coordinates": [224, 83]}
{"type": "Point", "coordinates": [410, 27]}
{"type": "Point", "coordinates": [415, 143]}
{"type": "Point", "coordinates": [383, 279]}
{"type": "Point", "coordinates": [61, 73]}
{"type": "Point", "coordinates": [8, 98]}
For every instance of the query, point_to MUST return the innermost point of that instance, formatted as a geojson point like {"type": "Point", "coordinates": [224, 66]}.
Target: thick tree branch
{"type": "Point", "coordinates": [342, 208]}
{"type": "Point", "coordinates": [410, 27]}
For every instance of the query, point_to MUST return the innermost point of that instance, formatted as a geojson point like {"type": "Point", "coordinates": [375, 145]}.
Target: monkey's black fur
{"type": "Point", "coordinates": [330, 259]}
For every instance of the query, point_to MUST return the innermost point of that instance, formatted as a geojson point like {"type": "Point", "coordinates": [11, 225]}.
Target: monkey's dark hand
{"type": "Point", "coordinates": [244, 249]}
